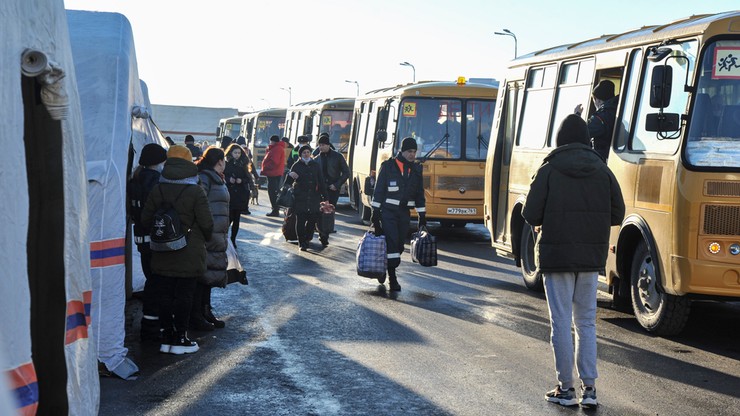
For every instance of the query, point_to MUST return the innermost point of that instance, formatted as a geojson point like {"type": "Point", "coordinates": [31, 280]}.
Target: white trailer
{"type": "Point", "coordinates": [178, 121]}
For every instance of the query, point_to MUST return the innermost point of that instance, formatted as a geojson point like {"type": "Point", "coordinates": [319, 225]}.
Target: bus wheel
{"type": "Point", "coordinates": [532, 277]}
{"type": "Point", "coordinates": [657, 311]}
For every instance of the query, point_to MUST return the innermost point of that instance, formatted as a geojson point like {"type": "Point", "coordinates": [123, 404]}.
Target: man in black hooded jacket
{"type": "Point", "coordinates": [574, 199]}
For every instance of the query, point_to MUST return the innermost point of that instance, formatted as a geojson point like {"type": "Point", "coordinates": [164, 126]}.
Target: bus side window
{"type": "Point", "coordinates": [574, 88]}
{"type": "Point", "coordinates": [537, 105]}
{"type": "Point", "coordinates": [624, 119]}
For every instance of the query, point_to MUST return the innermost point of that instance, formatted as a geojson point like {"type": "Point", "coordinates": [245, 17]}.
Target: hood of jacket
{"type": "Point", "coordinates": [575, 160]}
{"type": "Point", "coordinates": [176, 168]}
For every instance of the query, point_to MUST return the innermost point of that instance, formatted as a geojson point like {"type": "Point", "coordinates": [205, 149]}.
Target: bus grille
{"type": "Point", "coordinates": [722, 220]}
{"type": "Point", "coordinates": [454, 183]}
{"type": "Point", "coordinates": [722, 188]}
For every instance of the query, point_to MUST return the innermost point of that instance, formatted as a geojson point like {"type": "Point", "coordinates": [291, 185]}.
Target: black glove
{"type": "Point", "coordinates": [422, 219]}
{"type": "Point", "coordinates": [375, 218]}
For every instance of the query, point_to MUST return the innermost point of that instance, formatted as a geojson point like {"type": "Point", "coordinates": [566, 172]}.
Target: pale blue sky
{"type": "Point", "coordinates": [240, 53]}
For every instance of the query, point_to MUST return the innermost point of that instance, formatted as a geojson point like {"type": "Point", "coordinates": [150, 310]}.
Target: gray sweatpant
{"type": "Point", "coordinates": [571, 299]}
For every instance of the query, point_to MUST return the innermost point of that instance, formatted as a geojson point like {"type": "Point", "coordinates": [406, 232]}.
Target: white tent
{"type": "Point", "coordinates": [45, 348]}
{"type": "Point", "coordinates": [116, 122]}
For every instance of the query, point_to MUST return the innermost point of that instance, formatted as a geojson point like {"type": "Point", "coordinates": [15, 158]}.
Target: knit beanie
{"type": "Point", "coordinates": [274, 138]}
{"type": "Point", "coordinates": [604, 90]}
{"type": "Point", "coordinates": [408, 144]}
{"type": "Point", "coordinates": [324, 138]}
{"type": "Point", "coordinates": [152, 154]}
{"type": "Point", "coordinates": [180, 152]}
{"type": "Point", "coordinates": [572, 130]}
{"type": "Point", "coordinates": [304, 147]}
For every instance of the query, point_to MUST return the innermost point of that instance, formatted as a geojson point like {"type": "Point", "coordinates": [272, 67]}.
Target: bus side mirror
{"type": "Point", "coordinates": [218, 131]}
{"type": "Point", "coordinates": [662, 122]}
{"type": "Point", "coordinates": [660, 86]}
{"type": "Point", "coordinates": [381, 136]}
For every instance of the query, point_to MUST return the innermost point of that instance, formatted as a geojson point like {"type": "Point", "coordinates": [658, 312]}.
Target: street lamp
{"type": "Point", "coordinates": [412, 68]}
{"type": "Point", "coordinates": [290, 95]}
{"type": "Point", "coordinates": [507, 32]}
{"type": "Point", "coordinates": [357, 84]}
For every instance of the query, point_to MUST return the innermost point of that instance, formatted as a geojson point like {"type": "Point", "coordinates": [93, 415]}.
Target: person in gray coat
{"type": "Point", "coordinates": [210, 171]}
{"type": "Point", "coordinates": [573, 201]}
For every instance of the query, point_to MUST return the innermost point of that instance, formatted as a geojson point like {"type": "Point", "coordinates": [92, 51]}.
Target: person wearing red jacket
{"type": "Point", "coordinates": [273, 167]}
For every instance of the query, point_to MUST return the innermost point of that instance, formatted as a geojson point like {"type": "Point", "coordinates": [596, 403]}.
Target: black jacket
{"type": "Point", "coordinates": [239, 192]}
{"type": "Point", "coordinates": [601, 126]}
{"type": "Point", "coordinates": [336, 170]}
{"type": "Point", "coordinates": [394, 190]}
{"type": "Point", "coordinates": [309, 189]}
{"type": "Point", "coordinates": [576, 199]}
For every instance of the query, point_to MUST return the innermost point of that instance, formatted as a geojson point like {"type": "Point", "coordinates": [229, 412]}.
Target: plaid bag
{"type": "Point", "coordinates": [372, 259]}
{"type": "Point", "coordinates": [424, 248]}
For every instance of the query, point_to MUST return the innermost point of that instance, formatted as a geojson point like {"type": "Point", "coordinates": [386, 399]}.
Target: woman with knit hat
{"type": "Point", "coordinates": [146, 175]}
{"type": "Point", "coordinates": [177, 271]}
{"type": "Point", "coordinates": [398, 188]}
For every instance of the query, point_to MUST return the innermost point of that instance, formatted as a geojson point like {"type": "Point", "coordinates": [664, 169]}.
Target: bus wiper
{"type": "Point", "coordinates": [444, 139]}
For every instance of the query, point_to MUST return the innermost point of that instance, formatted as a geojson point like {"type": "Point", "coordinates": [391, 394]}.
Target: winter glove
{"type": "Point", "coordinates": [422, 219]}
{"type": "Point", "coordinates": [375, 221]}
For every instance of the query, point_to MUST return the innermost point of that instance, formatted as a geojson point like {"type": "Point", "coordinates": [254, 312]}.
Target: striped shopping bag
{"type": "Point", "coordinates": [424, 248]}
{"type": "Point", "coordinates": [372, 259]}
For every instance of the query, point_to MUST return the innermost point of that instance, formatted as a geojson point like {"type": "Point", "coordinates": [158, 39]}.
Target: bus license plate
{"type": "Point", "coordinates": [462, 211]}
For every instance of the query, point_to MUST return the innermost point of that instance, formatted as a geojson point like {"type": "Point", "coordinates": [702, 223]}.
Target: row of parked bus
{"type": "Point", "coordinates": [675, 152]}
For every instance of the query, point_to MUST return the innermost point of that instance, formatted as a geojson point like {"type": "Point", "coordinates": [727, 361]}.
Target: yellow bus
{"type": "Point", "coordinates": [257, 127]}
{"type": "Point", "coordinates": [451, 122]}
{"type": "Point", "coordinates": [311, 118]}
{"type": "Point", "coordinates": [228, 127]}
{"type": "Point", "coordinates": [675, 152]}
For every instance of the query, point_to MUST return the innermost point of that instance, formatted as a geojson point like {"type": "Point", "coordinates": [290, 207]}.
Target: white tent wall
{"type": "Point", "coordinates": [41, 25]}
{"type": "Point", "coordinates": [114, 114]}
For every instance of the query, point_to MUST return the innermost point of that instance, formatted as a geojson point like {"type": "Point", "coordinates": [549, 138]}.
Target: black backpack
{"type": "Point", "coordinates": [168, 233]}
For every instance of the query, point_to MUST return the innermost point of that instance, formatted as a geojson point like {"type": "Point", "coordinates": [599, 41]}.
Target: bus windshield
{"type": "Point", "coordinates": [267, 127]}
{"type": "Point", "coordinates": [435, 124]}
{"type": "Point", "coordinates": [714, 134]}
{"type": "Point", "coordinates": [440, 130]}
{"type": "Point", "coordinates": [337, 123]}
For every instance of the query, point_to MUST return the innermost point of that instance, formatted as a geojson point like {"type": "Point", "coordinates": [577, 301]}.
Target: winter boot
{"type": "Point", "coordinates": [208, 313]}
{"type": "Point", "coordinates": [150, 331]}
{"type": "Point", "coordinates": [395, 287]}
{"type": "Point", "coordinates": [183, 345]}
{"type": "Point", "coordinates": [167, 341]}
{"type": "Point", "coordinates": [200, 323]}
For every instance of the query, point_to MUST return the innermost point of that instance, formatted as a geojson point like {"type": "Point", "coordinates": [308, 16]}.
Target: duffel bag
{"type": "Point", "coordinates": [424, 248]}
{"type": "Point", "coordinates": [372, 258]}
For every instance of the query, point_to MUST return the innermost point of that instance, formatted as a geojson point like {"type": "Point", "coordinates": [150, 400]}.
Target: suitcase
{"type": "Point", "coordinates": [289, 226]}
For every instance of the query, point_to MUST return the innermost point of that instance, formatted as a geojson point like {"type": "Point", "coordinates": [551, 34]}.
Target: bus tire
{"type": "Point", "coordinates": [621, 295]}
{"type": "Point", "coordinates": [531, 276]}
{"type": "Point", "coordinates": [364, 212]}
{"type": "Point", "coordinates": [656, 311]}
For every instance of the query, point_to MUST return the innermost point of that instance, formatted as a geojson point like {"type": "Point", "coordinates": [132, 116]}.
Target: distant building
{"type": "Point", "coordinates": [178, 121]}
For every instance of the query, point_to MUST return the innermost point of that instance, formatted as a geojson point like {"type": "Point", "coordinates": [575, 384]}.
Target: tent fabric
{"type": "Point", "coordinates": [110, 90]}
{"type": "Point", "coordinates": [41, 25]}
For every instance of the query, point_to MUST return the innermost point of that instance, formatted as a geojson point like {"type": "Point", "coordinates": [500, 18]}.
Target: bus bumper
{"type": "Point", "coordinates": [705, 278]}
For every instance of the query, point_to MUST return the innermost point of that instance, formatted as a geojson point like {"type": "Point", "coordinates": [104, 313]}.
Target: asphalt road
{"type": "Point", "coordinates": [308, 336]}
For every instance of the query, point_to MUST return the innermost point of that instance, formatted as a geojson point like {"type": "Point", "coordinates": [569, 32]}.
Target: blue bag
{"type": "Point", "coordinates": [372, 258]}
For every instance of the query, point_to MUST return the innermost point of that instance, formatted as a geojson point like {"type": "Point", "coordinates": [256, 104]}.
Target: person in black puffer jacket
{"type": "Point", "coordinates": [309, 191]}
{"type": "Point", "coordinates": [239, 184]}
{"type": "Point", "coordinates": [573, 200]}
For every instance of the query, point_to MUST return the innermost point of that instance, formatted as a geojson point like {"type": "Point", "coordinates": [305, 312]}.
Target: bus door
{"type": "Point", "coordinates": [502, 156]}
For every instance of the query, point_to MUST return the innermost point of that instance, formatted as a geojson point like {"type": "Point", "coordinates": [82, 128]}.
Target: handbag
{"type": "Point", "coordinates": [286, 199]}
{"type": "Point", "coordinates": [234, 271]}
{"type": "Point", "coordinates": [372, 258]}
{"type": "Point", "coordinates": [424, 248]}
